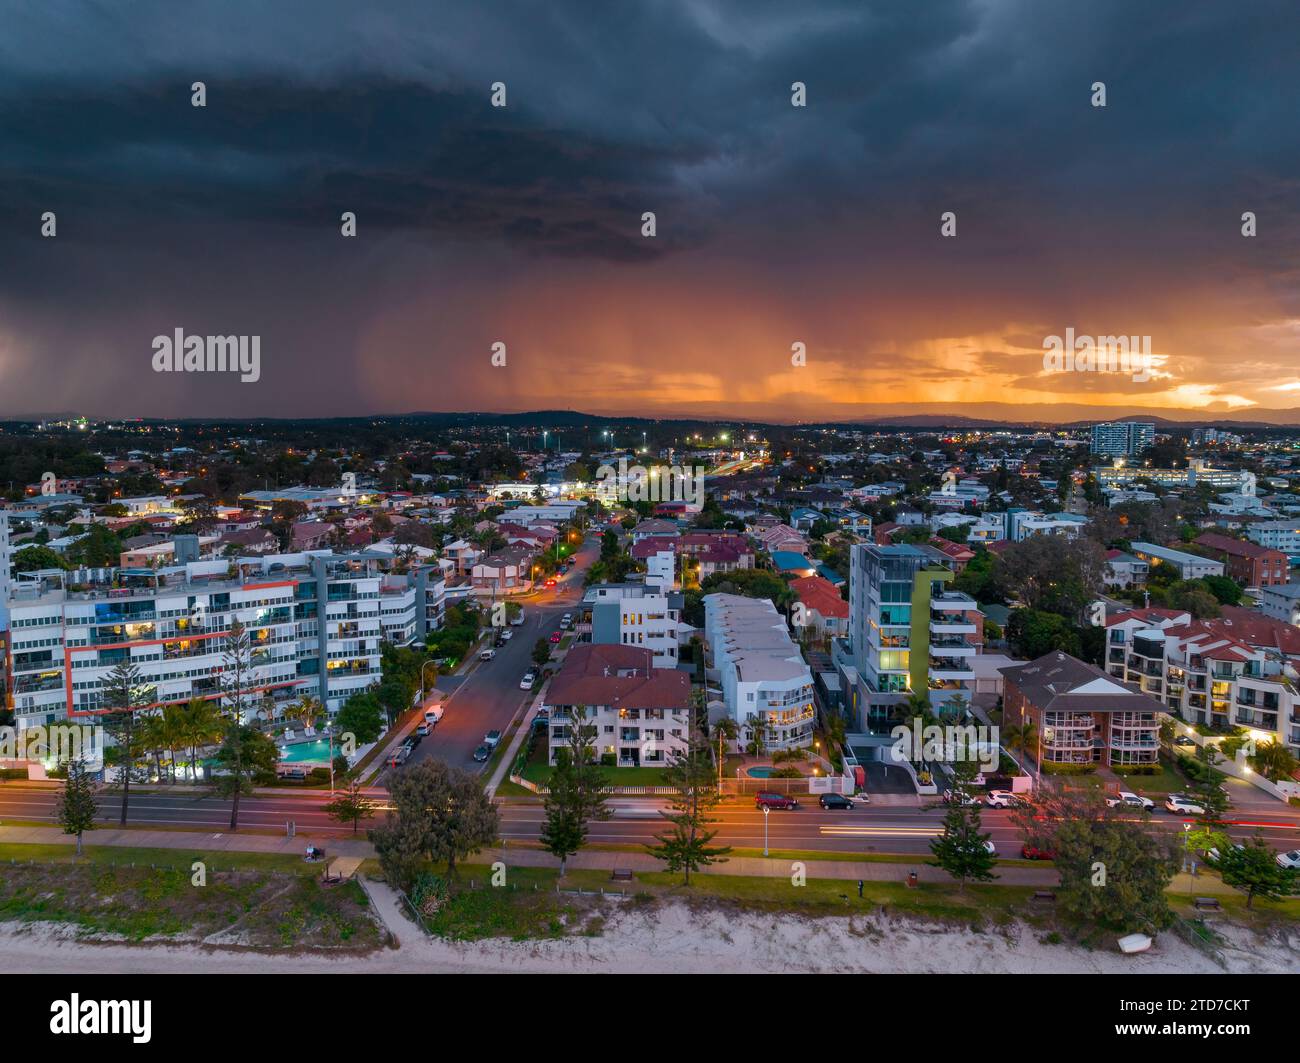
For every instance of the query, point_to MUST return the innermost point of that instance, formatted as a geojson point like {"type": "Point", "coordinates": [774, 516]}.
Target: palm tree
{"type": "Point", "coordinates": [149, 733]}
{"type": "Point", "coordinates": [171, 731]}
{"type": "Point", "coordinates": [1273, 761]}
{"type": "Point", "coordinates": [201, 726]}
{"type": "Point", "coordinates": [307, 710]}
{"type": "Point", "coordinates": [1021, 737]}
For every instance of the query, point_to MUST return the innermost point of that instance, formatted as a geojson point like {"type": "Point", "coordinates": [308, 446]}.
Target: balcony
{"type": "Point", "coordinates": [950, 624]}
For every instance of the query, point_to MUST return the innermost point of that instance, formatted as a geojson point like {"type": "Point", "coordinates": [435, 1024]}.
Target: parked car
{"type": "Point", "coordinates": [491, 739]}
{"type": "Point", "coordinates": [555, 636]}
{"type": "Point", "coordinates": [414, 738]}
{"type": "Point", "coordinates": [1212, 854]}
{"type": "Point", "coordinates": [990, 848]}
{"type": "Point", "coordinates": [779, 801]}
{"type": "Point", "coordinates": [482, 753]}
{"type": "Point", "coordinates": [487, 655]}
{"type": "Point", "coordinates": [1033, 852]}
{"type": "Point", "coordinates": [1182, 805]}
{"type": "Point", "coordinates": [400, 756]}
{"type": "Point", "coordinates": [1291, 859]}
{"type": "Point", "coordinates": [528, 680]}
{"type": "Point", "coordinates": [506, 634]}
{"type": "Point", "coordinates": [433, 714]}
{"type": "Point", "coordinates": [517, 619]}
{"type": "Point", "coordinates": [956, 795]}
{"type": "Point", "coordinates": [1124, 797]}
{"type": "Point", "coordinates": [1004, 799]}
{"type": "Point", "coordinates": [1183, 740]}
{"type": "Point", "coordinates": [425, 728]}
{"type": "Point", "coordinates": [835, 801]}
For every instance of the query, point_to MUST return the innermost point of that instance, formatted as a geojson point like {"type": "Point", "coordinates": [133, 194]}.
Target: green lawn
{"type": "Point", "coordinates": [529, 906]}
{"type": "Point", "coordinates": [540, 773]}
{"type": "Point", "coordinates": [259, 899]}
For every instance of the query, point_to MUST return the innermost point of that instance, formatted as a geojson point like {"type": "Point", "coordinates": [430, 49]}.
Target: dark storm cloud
{"type": "Point", "coordinates": [678, 106]}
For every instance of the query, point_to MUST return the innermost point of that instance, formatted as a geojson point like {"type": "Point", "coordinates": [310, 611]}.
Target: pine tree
{"type": "Point", "coordinates": [685, 846]}
{"type": "Point", "coordinates": [123, 694]}
{"type": "Point", "coordinates": [1254, 870]}
{"type": "Point", "coordinates": [961, 849]}
{"type": "Point", "coordinates": [76, 808]}
{"type": "Point", "coordinates": [576, 791]}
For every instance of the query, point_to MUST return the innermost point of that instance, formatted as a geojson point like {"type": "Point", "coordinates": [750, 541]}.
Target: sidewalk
{"type": "Point", "coordinates": [204, 841]}
{"type": "Point", "coordinates": [758, 867]}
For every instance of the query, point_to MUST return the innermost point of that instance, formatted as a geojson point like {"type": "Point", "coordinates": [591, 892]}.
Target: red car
{"type": "Point", "coordinates": [1032, 852]}
{"type": "Point", "coordinates": [555, 636]}
{"type": "Point", "coordinates": [770, 800]}
{"type": "Point", "coordinates": [550, 582]}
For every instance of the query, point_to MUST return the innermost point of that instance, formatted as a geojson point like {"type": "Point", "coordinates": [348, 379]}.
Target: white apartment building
{"type": "Point", "coordinates": [767, 686]}
{"type": "Point", "coordinates": [1281, 601]}
{"type": "Point", "coordinates": [315, 622]}
{"type": "Point", "coordinates": [640, 715]}
{"type": "Point", "coordinates": [1281, 535]}
{"type": "Point", "coordinates": [1205, 674]}
{"type": "Point", "coordinates": [633, 614]}
{"type": "Point", "coordinates": [1189, 566]}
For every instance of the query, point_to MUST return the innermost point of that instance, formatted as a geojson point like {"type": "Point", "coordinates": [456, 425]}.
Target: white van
{"type": "Point", "coordinates": [487, 655]}
{"type": "Point", "coordinates": [432, 715]}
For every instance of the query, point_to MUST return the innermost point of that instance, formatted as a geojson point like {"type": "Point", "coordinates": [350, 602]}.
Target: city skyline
{"type": "Point", "coordinates": [775, 225]}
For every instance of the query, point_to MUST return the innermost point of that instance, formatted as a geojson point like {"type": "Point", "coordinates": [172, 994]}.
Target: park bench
{"type": "Point", "coordinates": [1207, 904]}
{"type": "Point", "coordinates": [621, 875]}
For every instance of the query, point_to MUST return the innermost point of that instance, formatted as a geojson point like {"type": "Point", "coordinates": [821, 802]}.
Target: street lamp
{"type": "Point", "coordinates": [329, 732]}
{"type": "Point", "coordinates": [765, 814]}
{"type": "Point", "coordinates": [422, 668]}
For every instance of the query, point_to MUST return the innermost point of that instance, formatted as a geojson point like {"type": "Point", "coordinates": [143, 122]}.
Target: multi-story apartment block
{"type": "Point", "coordinates": [1122, 438]}
{"type": "Point", "coordinates": [907, 632]}
{"type": "Point", "coordinates": [1282, 602]}
{"type": "Point", "coordinates": [315, 622]}
{"type": "Point", "coordinates": [1281, 535]}
{"type": "Point", "coordinates": [1221, 673]}
{"type": "Point", "coordinates": [1248, 563]}
{"type": "Point", "coordinates": [767, 686]}
{"type": "Point", "coordinates": [641, 715]}
{"type": "Point", "coordinates": [1082, 715]}
{"type": "Point", "coordinates": [634, 614]}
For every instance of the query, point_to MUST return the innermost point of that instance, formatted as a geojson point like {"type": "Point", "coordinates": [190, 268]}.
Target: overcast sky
{"type": "Point", "coordinates": [775, 224]}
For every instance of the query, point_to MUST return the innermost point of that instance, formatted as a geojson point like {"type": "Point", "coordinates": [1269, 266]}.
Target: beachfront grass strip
{"type": "Point", "coordinates": [266, 900]}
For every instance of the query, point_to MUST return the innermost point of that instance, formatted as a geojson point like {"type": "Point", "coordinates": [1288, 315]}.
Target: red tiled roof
{"type": "Point", "coordinates": [817, 592]}
{"type": "Point", "coordinates": [1236, 547]}
{"type": "Point", "coordinates": [622, 677]}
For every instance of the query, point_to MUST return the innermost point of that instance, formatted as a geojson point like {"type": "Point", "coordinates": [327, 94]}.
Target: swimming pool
{"type": "Point", "coordinates": [759, 773]}
{"type": "Point", "coordinates": [306, 752]}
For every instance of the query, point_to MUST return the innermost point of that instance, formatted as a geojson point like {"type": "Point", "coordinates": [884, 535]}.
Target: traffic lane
{"type": "Point", "coordinates": [881, 830]}
{"type": "Point", "coordinates": [160, 810]}
{"type": "Point", "coordinates": [490, 696]}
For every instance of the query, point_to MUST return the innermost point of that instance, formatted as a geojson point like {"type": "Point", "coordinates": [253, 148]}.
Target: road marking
{"type": "Point", "coordinates": [892, 832]}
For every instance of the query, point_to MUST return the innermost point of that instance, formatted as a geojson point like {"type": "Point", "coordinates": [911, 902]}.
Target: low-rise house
{"type": "Point", "coordinates": [1124, 570]}
{"type": "Point", "coordinates": [825, 610]}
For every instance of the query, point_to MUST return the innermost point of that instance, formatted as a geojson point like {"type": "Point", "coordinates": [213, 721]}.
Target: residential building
{"type": "Point", "coordinates": [1081, 715]}
{"type": "Point", "coordinates": [1122, 438]}
{"type": "Point", "coordinates": [907, 632]}
{"type": "Point", "coordinates": [1248, 563]}
{"type": "Point", "coordinates": [641, 714]}
{"type": "Point", "coordinates": [767, 687]}
{"type": "Point", "coordinates": [634, 614]}
{"type": "Point", "coordinates": [1189, 566]}
{"type": "Point", "coordinates": [1281, 535]}
{"type": "Point", "coordinates": [314, 621]}
{"type": "Point", "coordinates": [1124, 570]}
{"type": "Point", "coordinates": [1238, 670]}
{"type": "Point", "coordinates": [1282, 602]}
{"type": "Point", "coordinates": [508, 571]}
{"type": "Point", "coordinates": [825, 610]}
